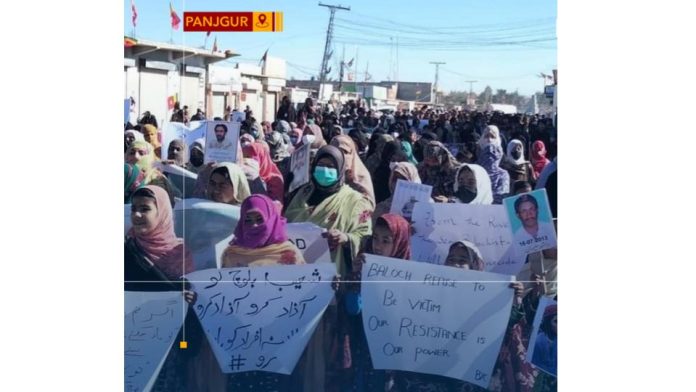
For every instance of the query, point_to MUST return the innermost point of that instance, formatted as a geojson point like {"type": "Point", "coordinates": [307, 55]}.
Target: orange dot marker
{"type": "Point", "coordinates": [183, 345]}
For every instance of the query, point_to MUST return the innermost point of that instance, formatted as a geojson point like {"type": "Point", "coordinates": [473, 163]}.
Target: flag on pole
{"type": "Point", "coordinates": [215, 48]}
{"type": "Point", "coordinates": [264, 57]}
{"type": "Point", "coordinates": [175, 18]}
{"type": "Point", "coordinates": [350, 63]}
{"type": "Point", "coordinates": [129, 42]}
{"type": "Point", "coordinates": [134, 12]}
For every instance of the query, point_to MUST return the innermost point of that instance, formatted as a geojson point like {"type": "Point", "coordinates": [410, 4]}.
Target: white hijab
{"type": "Point", "coordinates": [491, 135]}
{"type": "Point", "coordinates": [484, 190]}
{"type": "Point", "coordinates": [511, 146]}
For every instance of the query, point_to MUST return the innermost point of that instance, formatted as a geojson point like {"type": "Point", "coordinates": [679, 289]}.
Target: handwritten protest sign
{"type": "Point", "coordinates": [221, 140]}
{"type": "Point", "coordinates": [434, 319]}
{"type": "Point", "coordinates": [152, 322]}
{"type": "Point", "coordinates": [307, 237]}
{"type": "Point", "coordinates": [406, 194]}
{"type": "Point", "coordinates": [261, 318]}
{"type": "Point", "coordinates": [542, 351]}
{"type": "Point", "coordinates": [299, 166]}
{"type": "Point", "coordinates": [437, 226]}
{"type": "Point", "coordinates": [530, 222]}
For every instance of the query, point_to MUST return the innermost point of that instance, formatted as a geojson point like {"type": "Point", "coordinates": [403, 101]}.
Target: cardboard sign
{"type": "Point", "coordinates": [308, 239]}
{"type": "Point", "coordinates": [152, 322]}
{"type": "Point", "coordinates": [434, 319]}
{"type": "Point", "coordinates": [438, 225]}
{"type": "Point", "coordinates": [543, 342]}
{"type": "Point", "coordinates": [261, 318]}
{"type": "Point", "coordinates": [406, 194]}
{"type": "Point", "coordinates": [531, 222]}
{"type": "Point", "coordinates": [299, 166]}
{"type": "Point", "coordinates": [221, 140]}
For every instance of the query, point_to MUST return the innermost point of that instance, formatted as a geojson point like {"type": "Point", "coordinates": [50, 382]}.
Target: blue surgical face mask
{"type": "Point", "coordinates": [325, 176]}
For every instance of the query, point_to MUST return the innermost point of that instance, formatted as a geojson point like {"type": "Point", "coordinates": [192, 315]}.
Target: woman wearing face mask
{"type": "Point", "coordinates": [405, 171]}
{"type": "Point", "coordinates": [539, 160]}
{"type": "Point", "coordinates": [491, 135]}
{"type": "Point", "coordinates": [391, 237]}
{"type": "Point", "coordinates": [312, 135]}
{"type": "Point", "coordinates": [227, 184]}
{"type": "Point", "coordinates": [295, 136]}
{"type": "Point", "coordinates": [330, 203]}
{"type": "Point", "coordinates": [357, 175]}
{"type": "Point", "coordinates": [472, 186]}
{"type": "Point", "coordinates": [197, 154]}
{"type": "Point", "coordinates": [150, 134]}
{"type": "Point", "coordinates": [521, 170]}
{"type": "Point", "coordinates": [489, 159]}
{"type": "Point", "coordinates": [268, 171]}
{"type": "Point", "coordinates": [142, 154]}
{"type": "Point", "coordinates": [439, 169]}
{"type": "Point", "coordinates": [256, 131]}
{"type": "Point", "coordinates": [177, 153]}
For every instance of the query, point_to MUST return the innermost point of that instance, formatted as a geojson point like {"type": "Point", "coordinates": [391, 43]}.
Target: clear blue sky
{"type": "Point", "coordinates": [478, 39]}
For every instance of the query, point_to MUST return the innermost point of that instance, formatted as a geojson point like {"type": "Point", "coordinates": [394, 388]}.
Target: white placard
{"type": "Point", "coordinates": [438, 225]}
{"type": "Point", "coordinates": [182, 179]}
{"type": "Point", "coordinates": [261, 318]}
{"type": "Point", "coordinates": [152, 322]}
{"type": "Point", "coordinates": [238, 117]}
{"type": "Point", "coordinates": [308, 239]}
{"type": "Point", "coordinates": [406, 194]}
{"type": "Point", "coordinates": [434, 319]}
{"type": "Point", "coordinates": [542, 351]}
{"type": "Point", "coordinates": [224, 150]}
{"type": "Point", "coordinates": [299, 166]}
{"type": "Point", "coordinates": [187, 133]}
{"type": "Point", "coordinates": [531, 222]}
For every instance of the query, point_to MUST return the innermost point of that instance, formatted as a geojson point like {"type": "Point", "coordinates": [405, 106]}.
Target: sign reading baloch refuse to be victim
{"type": "Point", "coordinates": [433, 319]}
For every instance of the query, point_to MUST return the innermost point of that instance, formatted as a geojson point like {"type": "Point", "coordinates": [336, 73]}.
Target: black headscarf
{"type": "Point", "coordinates": [321, 192]}
{"type": "Point", "coordinates": [380, 181]}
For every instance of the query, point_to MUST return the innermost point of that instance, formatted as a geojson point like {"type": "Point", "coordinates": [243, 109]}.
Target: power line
{"type": "Point", "coordinates": [329, 33]}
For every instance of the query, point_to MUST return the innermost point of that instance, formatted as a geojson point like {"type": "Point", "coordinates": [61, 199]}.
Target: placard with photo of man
{"type": "Point", "coordinates": [531, 222]}
{"type": "Point", "coordinates": [221, 139]}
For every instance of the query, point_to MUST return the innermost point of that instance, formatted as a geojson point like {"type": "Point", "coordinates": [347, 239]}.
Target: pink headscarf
{"type": "Point", "coordinates": [271, 231]}
{"type": "Point", "coordinates": [269, 172]}
{"type": "Point", "coordinates": [161, 244]}
{"type": "Point", "coordinates": [539, 160]}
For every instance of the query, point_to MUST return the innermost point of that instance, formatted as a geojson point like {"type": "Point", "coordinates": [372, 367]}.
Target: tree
{"type": "Point", "coordinates": [485, 96]}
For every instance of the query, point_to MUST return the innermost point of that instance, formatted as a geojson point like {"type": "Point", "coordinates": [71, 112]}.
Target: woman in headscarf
{"type": "Point", "coordinates": [330, 203]}
{"type": "Point", "coordinates": [491, 135]}
{"type": "Point", "coordinates": [142, 154]}
{"type": "Point", "coordinates": [472, 185]}
{"type": "Point", "coordinates": [421, 143]}
{"type": "Point", "coordinates": [260, 238]}
{"type": "Point", "coordinates": [521, 170]}
{"type": "Point", "coordinates": [399, 171]}
{"type": "Point", "coordinates": [155, 260]}
{"type": "Point", "coordinates": [538, 155]}
{"type": "Point", "coordinates": [407, 138]}
{"type": "Point", "coordinates": [152, 234]}
{"type": "Point", "coordinates": [279, 149]}
{"type": "Point", "coordinates": [150, 134]}
{"type": "Point", "coordinates": [313, 136]}
{"type": "Point", "coordinates": [360, 140]}
{"type": "Point", "coordinates": [134, 179]}
{"type": "Point", "coordinates": [295, 136]}
{"type": "Point", "coordinates": [465, 255]}
{"type": "Point", "coordinates": [197, 156]}
{"type": "Point", "coordinates": [392, 153]}
{"type": "Point", "coordinates": [268, 171]}
{"type": "Point", "coordinates": [227, 184]}
{"type": "Point", "coordinates": [130, 136]}
{"type": "Point", "coordinates": [489, 158]}
{"type": "Point", "coordinates": [438, 169]}
{"type": "Point", "coordinates": [177, 152]}
{"type": "Point", "coordinates": [391, 237]}
{"type": "Point", "coordinates": [251, 170]}
{"type": "Point", "coordinates": [374, 154]}
{"type": "Point", "coordinates": [357, 175]}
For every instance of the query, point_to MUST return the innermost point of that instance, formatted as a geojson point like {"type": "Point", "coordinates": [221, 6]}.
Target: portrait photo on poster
{"type": "Point", "coordinates": [221, 139]}
{"type": "Point", "coordinates": [531, 221]}
{"type": "Point", "coordinates": [543, 342]}
{"type": "Point", "coordinates": [299, 166]}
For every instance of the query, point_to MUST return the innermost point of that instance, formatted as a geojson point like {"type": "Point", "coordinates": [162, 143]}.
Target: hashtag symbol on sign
{"type": "Point", "coordinates": [237, 362]}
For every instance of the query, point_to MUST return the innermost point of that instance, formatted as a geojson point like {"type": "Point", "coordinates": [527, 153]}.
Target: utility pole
{"type": "Point", "coordinates": [343, 64]}
{"type": "Point", "coordinates": [327, 45]}
{"type": "Point", "coordinates": [437, 76]}
{"type": "Point", "coordinates": [471, 88]}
